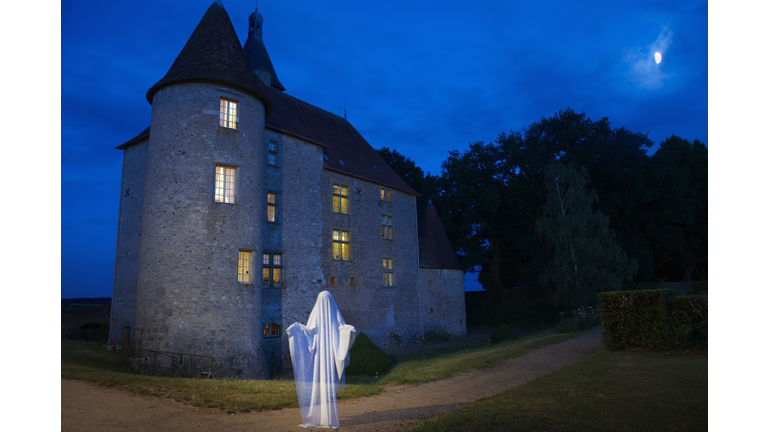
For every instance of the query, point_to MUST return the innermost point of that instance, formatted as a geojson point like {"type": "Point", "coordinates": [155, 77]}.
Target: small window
{"type": "Point", "coordinates": [387, 230]}
{"type": "Point", "coordinates": [431, 310]}
{"type": "Point", "coordinates": [271, 331]}
{"type": "Point", "coordinates": [386, 194]}
{"type": "Point", "coordinates": [271, 207]}
{"type": "Point", "coordinates": [334, 281]}
{"type": "Point", "coordinates": [228, 114]}
{"type": "Point", "coordinates": [389, 274]}
{"type": "Point", "coordinates": [353, 281]}
{"type": "Point", "coordinates": [429, 282]}
{"type": "Point", "coordinates": [272, 270]}
{"type": "Point", "coordinates": [244, 266]}
{"type": "Point", "coordinates": [226, 182]}
{"type": "Point", "coordinates": [341, 249]}
{"type": "Point", "coordinates": [340, 199]}
{"type": "Point", "coordinates": [272, 156]}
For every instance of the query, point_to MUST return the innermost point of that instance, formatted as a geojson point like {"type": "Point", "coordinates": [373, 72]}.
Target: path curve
{"type": "Point", "coordinates": [89, 407]}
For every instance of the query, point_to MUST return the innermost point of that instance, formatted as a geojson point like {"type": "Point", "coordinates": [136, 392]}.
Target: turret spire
{"type": "Point", "coordinates": [256, 52]}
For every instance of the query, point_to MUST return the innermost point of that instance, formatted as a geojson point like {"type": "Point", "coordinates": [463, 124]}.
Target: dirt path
{"type": "Point", "coordinates": [90, 407]}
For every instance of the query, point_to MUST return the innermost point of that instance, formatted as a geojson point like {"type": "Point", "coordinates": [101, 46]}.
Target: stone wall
{"type": "Point", "coordinates": [388, 315]}
{"type": "Point", "coordinates": [129, 234]}
{"type": "Point", "coordinates": [443, 309]}
{"type": "Point", "coordinates": [188, 297]}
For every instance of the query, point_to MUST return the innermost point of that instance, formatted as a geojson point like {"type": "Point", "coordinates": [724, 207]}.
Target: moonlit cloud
{"type": "Point", "coordinates": [643, 71]}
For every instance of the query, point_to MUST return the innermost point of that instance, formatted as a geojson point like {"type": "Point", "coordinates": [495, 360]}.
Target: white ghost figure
{"type": "Point", "coordinates": [320, 352]}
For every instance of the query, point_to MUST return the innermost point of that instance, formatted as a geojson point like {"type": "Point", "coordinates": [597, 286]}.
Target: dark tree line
{"type": "Point", "coordinates": [570, 207]}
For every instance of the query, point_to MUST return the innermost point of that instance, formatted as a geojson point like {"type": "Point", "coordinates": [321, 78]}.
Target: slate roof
{"type": "Point", "coordinates": [257, 56]}
{"type": "Point", "coordinates": [213, 54]}
{"type": "Point", "coordinates": [213, 49]}
{"type": "Point", "coordinates": [434, 248]}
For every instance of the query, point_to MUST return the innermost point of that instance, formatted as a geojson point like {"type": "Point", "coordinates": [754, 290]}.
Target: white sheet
{"type": "Point", "coordinates": [320, 352]}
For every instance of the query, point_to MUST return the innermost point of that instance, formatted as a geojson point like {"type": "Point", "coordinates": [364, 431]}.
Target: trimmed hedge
{"type": "Point", "coordinates": [365, 358]}
{"type": "Point", "coordinates": [504, 333]}
{"type": "Point", "coordinates": [657, 320]}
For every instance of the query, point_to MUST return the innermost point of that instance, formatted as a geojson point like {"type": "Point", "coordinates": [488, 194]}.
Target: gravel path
{"type": "Point", "coordinates": [90, 407]}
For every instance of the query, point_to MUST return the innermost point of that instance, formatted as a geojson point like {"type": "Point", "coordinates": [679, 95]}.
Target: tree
{"type": "Point", "coordinates": [409, 172]}
{"type": "Point", "coordinates": [584, 258]}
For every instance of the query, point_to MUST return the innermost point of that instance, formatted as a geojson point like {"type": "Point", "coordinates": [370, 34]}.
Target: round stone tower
{"type": "Point", "coordinates": [198, 291]}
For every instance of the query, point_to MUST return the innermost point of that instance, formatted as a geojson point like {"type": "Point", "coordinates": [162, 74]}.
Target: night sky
{"type": "Point", "coordinates": [422, 78]}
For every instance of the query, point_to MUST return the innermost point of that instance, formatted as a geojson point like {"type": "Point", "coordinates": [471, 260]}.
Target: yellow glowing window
{"type": "Point", "coordinates": [389, 276]}
{"type": "Point", "coordinates": [272, 330]}
{"type": "Point", "coordinates": [386, 195]}
{"type": "Point", "coordinates": [228, 115]}
{"type": "Point", "coordinates": [244, 267]}
{"type": "Point", "coordinates": [271, 207]}
{"type": "Point", "coordinates": [340, 199]}
{"type": "Point", "coordinates": [353, 281]}
{"type": "Point", "coordinates": [226, 181]}
{"type": "Point", "coordinates": [272, 271]}
{"type": "Point", "coordinates": [341, 248]}
{"type": "Point", "coordinates": [387, 230]}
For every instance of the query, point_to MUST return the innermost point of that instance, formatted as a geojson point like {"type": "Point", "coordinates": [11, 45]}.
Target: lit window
{"type": "Point", "coordinates": [272, 269]}
{"type": "Point", "coordinates": [387, 230]}
{"type": "Point", "coordinates": [341, 249]}
{"type": "Point", "coordinates": [353, 281]}
{"type": "Point", "coordinates": [226, 181]}
{"type": "Point", "coordinates": [386, 194]}
{"type": "Point", "coordinates": [271, 201]}
{"type": "Point", "coordinates": [334, 281]}
{"type": "Point", "coordinates": [389, 275]}
{"type": "Point", "coordinates": [272, 157]}
{"type": "Point", "coordinates": [272, 330]}
{"type": "Point", "coordinates": [244, 267]}
{"type": "Point", "coordinates": [228, 114]}
{"type": "Point", "coordinates": [340, 199]}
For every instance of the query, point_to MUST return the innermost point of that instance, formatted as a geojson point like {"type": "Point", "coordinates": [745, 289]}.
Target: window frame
{"type": "Point", "coordinates": [386, 195]}
{"type": "Point", "coordinates": [342, 206]}
{"type": "Point", "coordinates": [387, 228]}
{"type": "Point", "coordinates": [273, 153]}
{"type": "Point", "coordinates": [339, 240]}
{"type": "Point", "coordinates": [269, 328]}
{"type": "Point", "coordinates": [272, 206]}
{"type": "Point", "coordinates": [226, 106]}
{"type": "Point", "coordinates": [388, 269]}
{"type": "Point", "coordinates": [245, 266]}
{"type": "Point", "coordinates": [235, 180]}
{"type": "Point", "coordinates": [270, 267]}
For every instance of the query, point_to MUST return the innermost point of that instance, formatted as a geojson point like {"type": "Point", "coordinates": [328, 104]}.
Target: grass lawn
{"type": "Point", "coordinates": [638, 391]}
{"type": "Point", "coordinates": [87, 361]}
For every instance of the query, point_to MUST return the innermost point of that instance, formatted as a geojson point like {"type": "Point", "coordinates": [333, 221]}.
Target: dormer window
{"type": "Point", "coordinates": [228, 114]}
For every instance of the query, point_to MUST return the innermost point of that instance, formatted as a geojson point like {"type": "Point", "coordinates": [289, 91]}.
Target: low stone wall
{"type": "Point", "coordinates": [72, 318]}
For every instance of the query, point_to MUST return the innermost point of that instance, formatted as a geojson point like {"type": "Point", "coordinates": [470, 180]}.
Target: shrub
{"type": "Point", "coordinates": [504, 333]}
{"type": "Point", "coordinates": [698, 288]}
{"type": "Point", "coordinates": [653, 320]}
{"type": "Point", "coordinates": [580, 319]}
{"type": "Point", "coordinates": [365, 358]}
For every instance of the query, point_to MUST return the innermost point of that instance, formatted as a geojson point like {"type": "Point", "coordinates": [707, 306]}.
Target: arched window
{"type": "Point", "coordinates": [271, 330]}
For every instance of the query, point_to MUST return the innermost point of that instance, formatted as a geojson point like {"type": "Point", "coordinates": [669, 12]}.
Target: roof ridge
{"type": "Point", "coordinates": [315, 106]}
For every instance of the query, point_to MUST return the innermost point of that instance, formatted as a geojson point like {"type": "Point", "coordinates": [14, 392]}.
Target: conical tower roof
{"type": "Point", "coordinates": [434, 248]}
{"type": "Point", "coordinates": [213, 54]}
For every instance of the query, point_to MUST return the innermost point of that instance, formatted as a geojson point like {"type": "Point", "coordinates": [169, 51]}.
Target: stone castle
{"type": "Point", "coordinates": [240, 203]}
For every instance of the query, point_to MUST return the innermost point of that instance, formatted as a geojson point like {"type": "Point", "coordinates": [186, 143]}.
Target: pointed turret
{"type": "Point", "coordinates": [257, 55]}
{"type": "Point", "coordinates": [434, 248]}
{"type": "Point", "coordinates": [213, 54]}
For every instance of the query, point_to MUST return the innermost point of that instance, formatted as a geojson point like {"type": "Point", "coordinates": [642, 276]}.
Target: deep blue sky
{"type": "Point", "coordinates": [422, 77]}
